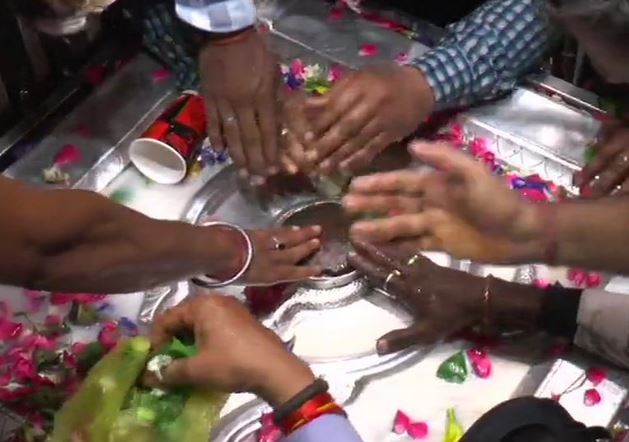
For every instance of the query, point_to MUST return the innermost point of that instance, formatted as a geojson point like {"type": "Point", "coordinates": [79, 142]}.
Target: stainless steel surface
{"type": "Point", "coordinates": [116, 113]}
{"type": "Point", "coordinates": [307, 24]}
{"type": "Point", "coordinates": [574, 96]}
{"type": "Point", "coordinates": [532, 132]}
{"type": "Point", "coordinates": [4, 100]}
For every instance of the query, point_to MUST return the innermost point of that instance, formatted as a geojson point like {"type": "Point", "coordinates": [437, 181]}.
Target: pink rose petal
{"type": "Point", "coordinates": [555, 397]}
{"type": "Point", "coordinates": [368, 50]}
{"type": "Point", "coordinates": [68, 155]}
{"type": "Point", "coordinates": [336, 72]}
{"type": "Point", "coordinates": [401, 422]}
{"type": "Point", "coordinates": [418, 430]}
{"type": "Point", "coordinates": [10, 330]}
{"type": "Point", "coordinates": [36, 300]}
{"type": "Point", "coordinates": [109, 335]}
{"type": "Point", "coordinates": [594, 280]}
{"type": "Point", "coordinates": [596, 375]}
{"type": "Point", "coordinates": [337, 12]}
{"type": "Point", "coordinates": [578, 277]}
{"type": "Point", "coordinates": [402, 58]}
{"type": "Point", "coordinates": [480, 362]}
{"type": "Point", "coordinates": [541, 283]}
{"type": "Point", "coordinates": [161, 74]}
{"type": "Point", "coordinates": [592, 397]}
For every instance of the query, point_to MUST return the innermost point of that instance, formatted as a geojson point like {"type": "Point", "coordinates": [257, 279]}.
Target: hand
{"type": "Point", "coordinates": [445, 210]}
{"type": "Point", "coordinates": [365, 112]}
{"type": "Point", "coordinates": [608, 172]}
{"type": "Point", "coordinates": [240, 82]}
{"type": "Point", "coordinates": [293, 156]}
{"type": "Point", "coordinates": [236, 353]}
{"type": "Point", "coordinates": [442, 301]}
{"type": "Point", "coordinates": [274, 265]}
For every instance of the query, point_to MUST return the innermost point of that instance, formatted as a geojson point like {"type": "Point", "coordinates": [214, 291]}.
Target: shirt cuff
{"type": "Point", "coordinates": [559, 311]}
{"type": "Point", "coordinates": [446, 72]}
{"type": "Point", "coordinates": [222, 16]}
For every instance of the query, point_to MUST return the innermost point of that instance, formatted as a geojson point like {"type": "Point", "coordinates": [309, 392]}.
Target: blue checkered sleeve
{"type": "Point", "coordinates": [220, 16]}
{"type": "Point", "coordinates": [483, 55]}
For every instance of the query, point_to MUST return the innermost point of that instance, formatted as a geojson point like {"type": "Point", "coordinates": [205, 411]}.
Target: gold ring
{"type": "Point", "coordinates": [390, 276]}
{"type": "Point", "coordinates": [413, 260]}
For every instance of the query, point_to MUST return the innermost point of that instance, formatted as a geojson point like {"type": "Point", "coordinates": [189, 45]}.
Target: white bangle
{"type": "Point", "coordinates": [212, 283]}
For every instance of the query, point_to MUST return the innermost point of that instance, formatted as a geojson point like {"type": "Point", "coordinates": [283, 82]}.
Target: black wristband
{"type": "Point", "coordinates": [289, 407]}
{"type": "Point", "coordinates": [560, 308]}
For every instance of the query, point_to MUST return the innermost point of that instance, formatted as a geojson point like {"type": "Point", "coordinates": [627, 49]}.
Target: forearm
{"type": "Point", "coordinates": [484, 54]}
{"type": "Point", "coordinates": [587, 233]}
{"type": "Point", "coordinates": [78, 241]}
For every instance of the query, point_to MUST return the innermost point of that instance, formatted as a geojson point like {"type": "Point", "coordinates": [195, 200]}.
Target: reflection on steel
{"type": "Point", "coordinates": [116, 113]}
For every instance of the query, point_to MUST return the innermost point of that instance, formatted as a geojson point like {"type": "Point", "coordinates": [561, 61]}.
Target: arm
{"type": "Point", "coordinates": [77, 241]}
{"type": "Point", "coordinates": [587, 233]}
{"type": "Point", "coordinates": [484, 54]}
{"type": "Point", "coordinates": [595, 320]}
{"type": "Point", "coordinates": [328, 427]}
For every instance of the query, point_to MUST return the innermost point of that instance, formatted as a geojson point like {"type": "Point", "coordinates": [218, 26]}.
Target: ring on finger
{"type": "Point", "coordinates": [390, 276]}
{"type": "Point", "coordinates": [284, 132]}
{"type": "Point", "coordinates": [277, 245]}
{"type": "Point", "coordinates": [229, 120]}
{"type": "Point", "coordinates": [413, 260]}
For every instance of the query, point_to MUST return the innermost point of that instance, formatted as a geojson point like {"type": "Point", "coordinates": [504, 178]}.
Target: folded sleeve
{"type": "Point", "coordinates": [219, 16]}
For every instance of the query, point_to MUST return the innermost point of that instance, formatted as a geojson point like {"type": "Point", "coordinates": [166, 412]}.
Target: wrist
{"type": "Point", "coordinates": [419, 84]}
{"type": "Point", "coordinates": [226, 251]}
{"type": "Point", "coordinates": [283, 382]}
{"type": "Point", "coordinates": [513, 304]}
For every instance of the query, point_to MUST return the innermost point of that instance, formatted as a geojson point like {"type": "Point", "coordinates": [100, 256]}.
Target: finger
{"type": "Point", "coordinates": [214, 126]}
{"type": "Point", "coordinates": [295, 273]}
{"type": "Point", "coordinates": [270, 133]}
{"type": "Point", "coordinates": [333, 106]}
{"type": "Point", "coordinates": [351, 146]}
{"type": "Point", "coordinates": [418, 334]}
{"type": "Point", "coordinates": [382, 204]}
{"type": "Point", "coordinates": [364, 156]}
{"type": "Point", "coordinates": [396, 227]}
{"type": "Point", "coordinates": [410, 182]}
{"type": "Point", "coordinates": [188, 372]}
{"type": "Point", "coordinates": [293, 236]}
{"type": "Point", "coordinates": [380, 254]}
{"type": "Point", "coordinates": [375, 272]}
{"type": "Point", "coordinates": [614, 174]}
{"type": "Point", "coordinates": [443, 157]}
{"type": "Point", "coordinates": [342, 134]}
{"type": "Point", "coordinates": [295, 154]}
{"type": "Point", "coordinates": [251, 141]}
{"type": "Point", "coordinates": [169, 323]}
{"type": "Point", "coordinates": [605, 155]}
{"type": "Point", "coordinates": [297, 253]}
{"type": "Point", "coordinates": [231, 134]}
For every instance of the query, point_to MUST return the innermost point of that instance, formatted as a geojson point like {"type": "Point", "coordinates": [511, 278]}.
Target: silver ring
{"type": "Point", "coordinates": [277, 245]}
{"type": "Point", "coordinates": [390, 276]}
{"type": "Point", "coordinates": [624, 159]}
{"type": "Point", "coordinates": [229, 120]}
{"type": "Point", "coordinates": [211, 283]}
{"type": "Point", "coordinates": [284, 132]}
{"type": "Point", "coordinates": [413, 260]}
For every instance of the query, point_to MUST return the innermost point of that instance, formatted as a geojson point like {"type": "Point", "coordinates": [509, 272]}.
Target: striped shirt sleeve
{"type": "Point", "coordinates": [483, 55]}
{"type": "Point", "coordinates": [220, 16]}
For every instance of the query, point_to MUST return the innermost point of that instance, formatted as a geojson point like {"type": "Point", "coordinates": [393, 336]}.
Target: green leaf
{"type": "Point", "coordinates": [454, 430]}
{"type": "Point", "coordinates": [454, 369]}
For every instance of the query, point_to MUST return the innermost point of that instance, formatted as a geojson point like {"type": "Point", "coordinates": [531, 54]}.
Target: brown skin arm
{"type": "Point", "coordinates": [79, 241]}
{"type": "Point", "coordinates": [589, 233]}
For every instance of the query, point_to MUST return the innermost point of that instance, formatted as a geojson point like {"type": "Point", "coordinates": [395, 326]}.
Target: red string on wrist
{"type": "Point", "coordinates": [316, 407]}
{"type": "Point", "coordinates": [548, 213]}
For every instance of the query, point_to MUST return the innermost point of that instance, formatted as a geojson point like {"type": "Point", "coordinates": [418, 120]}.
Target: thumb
{"type": "Point", "coordinates": [443, 157]}
{"type": "Point", "coordinates": [397, 340]}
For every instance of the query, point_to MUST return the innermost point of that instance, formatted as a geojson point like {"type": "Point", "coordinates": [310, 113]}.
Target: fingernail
{"type": "Point", "coordinates": [292, 169]}
{"type": "Point", "coordinates": [309, 136]}
{"type": "Point", "coordinates": [295, 228]}
{"type": "Point", "coordinates": [315, 242]}
{"type": "Point", "coordinates": [318, 229]}
{"type": "Point", "coordinates": [382, 347]}
{"type": "Point", "coordinates": [243, 173]}
{"type": "Point", "coordinates": [352, 254]}
{"type": "Point", "coordinates": [257, 180]}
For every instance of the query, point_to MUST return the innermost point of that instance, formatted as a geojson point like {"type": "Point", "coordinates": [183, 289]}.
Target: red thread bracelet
{"type": "Point", "coordinates": [548, 213]}
{"type": "Point", "coordinates": [316, 407]}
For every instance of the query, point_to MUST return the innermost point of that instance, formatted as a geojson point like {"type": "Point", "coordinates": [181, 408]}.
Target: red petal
{"type": "Point", "coordinates": [68, 155]}
{"type": "Point", "coordinates": [401, 422]}
{"type": "Point", "coordinates": [594, 280]}
{"type": "Point", "coordinates": [368, 50]}
{"type": "Point", "coordinates": [596, 375]}
{"type": "Point", "coordinates": [161, 74]}
{"type": "Point", "coordinates": [418, 430]}
{"type": "Point", "coordinates": [337, 12]}
{"type": "Point", "coordinates": [555, 397]}
{"type": "Point", "coordinates": [592, 397]}
{"type": "Point", "coordinates": [480, 363]}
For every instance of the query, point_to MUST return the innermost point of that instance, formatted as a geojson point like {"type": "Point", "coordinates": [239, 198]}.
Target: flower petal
{"type": "Point", "coordinates": [596, 375]}
{"type": "Point", "coordinates": [401, 422]}
{"type": "Point", "coordinates": [480, 363]}
{"type": "Point", "coordinates": [592, 397]}
{"type": "Point", "coordinates": [369, 50]}
{"type": "Point", "coordinates": [68, 155]}
{"type": "Point", "coordinates": [418, 430]}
